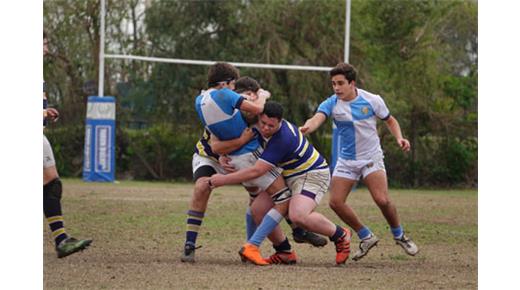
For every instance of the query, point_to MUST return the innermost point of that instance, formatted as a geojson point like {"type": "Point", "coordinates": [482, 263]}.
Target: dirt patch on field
{"type": "Point", "coordinates": [138, 232]}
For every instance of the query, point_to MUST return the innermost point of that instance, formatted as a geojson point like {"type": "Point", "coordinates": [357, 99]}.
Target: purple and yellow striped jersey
{"type": "Point", "coordinates": [291, 151]}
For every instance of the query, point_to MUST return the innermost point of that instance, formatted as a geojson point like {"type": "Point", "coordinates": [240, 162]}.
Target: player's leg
{"type": "Point", "coordinates": [344, 178]}
{"type": "Point", "coordinates": [202, 169]}
{"type": "Point", "coordinates": [280, 196]}
{"type": "Point", "coordinates": [283, 250]}
{"type": "Point", "coordinates": [378, 186]}
{"type": "Point", "coordinates": [52, 192]}
{"type": "Point", "coordinates": [308, 192]}
{"type": "Point", "coordinates": [301, 211]}
{"type": "Point", "coordinates": [340, 189]}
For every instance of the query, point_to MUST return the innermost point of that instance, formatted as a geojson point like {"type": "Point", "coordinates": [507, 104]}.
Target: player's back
{"type": "Point", "coordinates": [218, 111]}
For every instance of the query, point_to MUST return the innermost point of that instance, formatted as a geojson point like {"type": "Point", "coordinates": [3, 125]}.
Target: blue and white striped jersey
{"type": "Point", "coordinates": [356, 123]}
{"type": "Point", "coordinates": [218, 110]}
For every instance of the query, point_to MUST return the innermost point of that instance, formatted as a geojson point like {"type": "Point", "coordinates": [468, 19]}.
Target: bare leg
{"type": "Point", "coordinates": [378, 187]}
{"type": "Point", "coordinates": [340, 188]}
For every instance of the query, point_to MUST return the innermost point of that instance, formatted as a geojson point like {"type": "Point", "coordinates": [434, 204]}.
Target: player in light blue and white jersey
{"type": "Point", "coordinates": [305, 171]}
{"type": "Point", "coordinates": [355, 112]}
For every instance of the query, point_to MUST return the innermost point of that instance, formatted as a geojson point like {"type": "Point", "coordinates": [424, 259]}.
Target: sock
{"type": "Point", "coordinates": [338, 234]}
{"type": "Point", "coordinates": [52, 210]}
{"type": "Point", "coordinates": [296, 230]}
{"type": "Point", "coordinates": [397, 232]}
{"type": "Point", "coordinates": [269, 222]}
{"type": "Point", "coordinates": [193, 223]}
{"type": "Point", "coordinates": [284, 246]}
{"type": "Point", "coordinates": [364, 233]}
{"type": "Point", "coordinates": [250, 224]}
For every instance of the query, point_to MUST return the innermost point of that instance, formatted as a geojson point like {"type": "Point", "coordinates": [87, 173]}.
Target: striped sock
{"type": "Point", "coordinates": [269, 222]}
{"type": "Point", "coordinates": [250, 224]}
{"type": "Point", "coordinates": [364, 233]}
{"type": "Point", "coordinates": [57, 228]}
{"type": "Point", "coordinates": [397, 232]}
{"type": "Point", "coordinates": [193, 223]}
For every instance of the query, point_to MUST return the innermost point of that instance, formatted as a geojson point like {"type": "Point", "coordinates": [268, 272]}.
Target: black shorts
{"type": "Point", "coordinates": [203, 171]}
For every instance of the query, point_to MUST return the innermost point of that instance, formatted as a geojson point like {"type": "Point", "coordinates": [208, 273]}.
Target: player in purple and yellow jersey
{"type": "Point", "coordinates": [304, 170]}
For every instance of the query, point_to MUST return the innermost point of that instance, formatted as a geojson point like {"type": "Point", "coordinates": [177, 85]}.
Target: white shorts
{"type": "Point", "coordinates": [48, 156]}
{"type": "Point", "coordinates": [198, 161]}
{"type": "Point", "coordinates": [249, 159]}
{"type": "Point", "coordinates": [356, 169]}
{"type": "Point", "coordinates": [313, 184]}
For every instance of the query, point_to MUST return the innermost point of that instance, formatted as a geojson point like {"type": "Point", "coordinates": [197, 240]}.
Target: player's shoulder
{"type": "Point", "coordinates": [329, 103]}
{"type": "Point", "coordinates": [332, 99]}
{"type": "Point", "coordinates": [287, 130]}
{"type": "Point", "coordinates": [370, 97]}
{"type": "Point", "coordinates": [226, 92]}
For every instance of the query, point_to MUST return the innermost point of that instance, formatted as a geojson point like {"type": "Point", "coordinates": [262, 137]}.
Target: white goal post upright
{"type": "Point", "coordinates": [100, 152]}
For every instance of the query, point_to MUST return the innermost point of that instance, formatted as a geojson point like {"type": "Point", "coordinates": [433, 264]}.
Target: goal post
{"type": "Point", "coordinates": [100, 150]}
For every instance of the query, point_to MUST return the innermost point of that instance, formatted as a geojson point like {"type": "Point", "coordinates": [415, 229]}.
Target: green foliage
{"type": "Point", "coordinates": [159, 152]}
{"type": "Point", "coordinates": [420, 56]}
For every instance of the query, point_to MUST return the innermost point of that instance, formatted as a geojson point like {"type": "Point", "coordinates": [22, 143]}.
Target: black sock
{"type": "Point", "coordinates": [52, 209]}
{"type": "Point", "coordinates": [338, 234]}
{"type": "Point", "coordinates": [284, 246]}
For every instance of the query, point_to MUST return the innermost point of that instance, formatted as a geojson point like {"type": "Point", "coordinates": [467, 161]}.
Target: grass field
{"type": "Point", "coordinates": [138, 231]}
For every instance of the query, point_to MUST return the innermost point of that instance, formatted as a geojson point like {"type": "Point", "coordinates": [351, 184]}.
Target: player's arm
{"type": "Point", "coordinates": [313, 123]}
{"type": "Point", "coordinates": [395, 129]}
{"type": "Point", "coordinates": [259, 169]}
{"type": "Point", "coordinates": [255, 107]}
{"type": "Point", "coordinates": [225, 147]}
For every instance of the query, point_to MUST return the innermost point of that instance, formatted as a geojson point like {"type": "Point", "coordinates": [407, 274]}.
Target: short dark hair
{"type": "Point", "coordinates": [344, 69]}
{"type": "Point", "coordinates": [273, 109]}
{"type": "Point", "coordinates": [221, 72]}
{"type": "Point", "coordinates": [244, 84]}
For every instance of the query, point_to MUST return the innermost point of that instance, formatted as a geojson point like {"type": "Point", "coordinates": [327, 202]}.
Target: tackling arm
{"type": "Point", "coordinates": [225, 147]}
{"type": "Point", "coordinates": [259, 169]}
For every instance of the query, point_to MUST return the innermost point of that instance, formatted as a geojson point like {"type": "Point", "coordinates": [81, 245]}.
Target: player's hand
{"type": "Point", "coordinates": [264, 94]}
{"type": "Point", "coordinates": [52, 114]}
{"type": "Point", "coordinates": [247, 135]}
{"type": "Point", "coordinates": [304, 129]}
{"type": "Point", "coordinates": [224, 162]}
{"type": "Point", "coordinates": [215, 181]}
{"type": "Point", "coordinates": [404, 144]}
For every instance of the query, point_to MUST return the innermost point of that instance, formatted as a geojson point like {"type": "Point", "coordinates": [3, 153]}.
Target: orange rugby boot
{"type": "Point", "coordinates": [251, 253]}
{"type": "Point", "coordinates": [343, 247]}
{"type": "Point", "coordinates": [282, 258]}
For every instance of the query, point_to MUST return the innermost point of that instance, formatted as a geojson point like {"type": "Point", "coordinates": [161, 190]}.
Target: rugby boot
{"type": "Point", "coordinates": [343, 247]}
{"type": "Point", "coordinates": [70, 246]}
{"type": "Point", "coordinates": [288, 258]}
{"type": "Point", "coordinates": [309, 238]}
{"type": "Point", "coordinates": [408, 245]}
{"type": "Point", "coordinates": [252, 254]}
{"type": "Point", "coordinates": [364, 246]}
{"type": "Point", "coordinates": [188, 256]}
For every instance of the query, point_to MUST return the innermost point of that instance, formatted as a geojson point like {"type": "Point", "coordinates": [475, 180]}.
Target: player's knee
{"type": "Point", "coordinates": [53, 189]}
{"type": "Point", "coordinates": [383, 202]}
{"type": "Point", "coordinates": [201, 187]}
{"type": "Point", "coordinates": [297, 217]}
{"type": "Point", "coordinates": [335, 203]}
